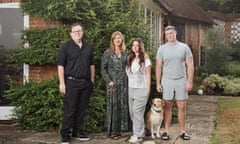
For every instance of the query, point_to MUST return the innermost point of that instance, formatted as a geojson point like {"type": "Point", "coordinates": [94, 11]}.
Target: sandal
{"type": "Point", "coordinates": [165, 136]}
{"type": "Point", "coordinates": [116, 136]}
{"type": "Point", "coordinates": [185, 136]}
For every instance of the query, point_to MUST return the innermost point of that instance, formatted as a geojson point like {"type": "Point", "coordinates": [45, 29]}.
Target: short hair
{"type": "Point", "coordinates": [73, 25]}
{"type": "Point", "coordinates": [170, 27]}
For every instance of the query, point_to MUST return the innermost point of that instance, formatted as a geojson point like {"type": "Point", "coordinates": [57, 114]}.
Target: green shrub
{"type": "Point", "coordinates": [36, 56]}
{"type": "Point", "coordinates": [214, 84]}
{"type": "Point", "coordinates": [217, 60]}
{"type": "Point", "coordinates": [44, 45]}
{"type": "Point", "coordinates": [217, 85]}
{"type": "Point", "coordinates": [236, 52]}
{"type": "Point", "coordinates": [215, 37]}
{"type": "Point", "coordinates": [49, 38]}
{"type": "Point", "coordinates": [233, 69]}
{"type": "Point", "coordinates": [39, 107]}
{"type": "Point", "coordinates": [232, 87]}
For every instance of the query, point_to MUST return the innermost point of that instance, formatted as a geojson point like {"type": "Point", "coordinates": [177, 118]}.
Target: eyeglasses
{"type": "Point", "coordinates": [77, 31]}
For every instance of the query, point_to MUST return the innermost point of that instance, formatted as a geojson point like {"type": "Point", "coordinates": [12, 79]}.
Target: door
{"type": "Point", "coordinates": [11, 25]}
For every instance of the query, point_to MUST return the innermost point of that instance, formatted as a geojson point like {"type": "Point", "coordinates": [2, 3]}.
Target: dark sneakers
{"type": "Point", "coordinates": [65, 141]}
{"type": "Point", "coordinates": [81, 137]}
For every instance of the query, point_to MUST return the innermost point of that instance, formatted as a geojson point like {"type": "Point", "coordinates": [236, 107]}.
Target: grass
{"type": "Point", "coordinates": [227, 121]}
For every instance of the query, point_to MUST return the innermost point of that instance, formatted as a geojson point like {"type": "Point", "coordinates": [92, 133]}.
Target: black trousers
{"type": "Point", "coordinates": [76, 101]}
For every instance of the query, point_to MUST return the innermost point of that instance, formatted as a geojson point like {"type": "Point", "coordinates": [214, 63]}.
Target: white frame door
{"type": "Point", "coordinates": [7, 111]}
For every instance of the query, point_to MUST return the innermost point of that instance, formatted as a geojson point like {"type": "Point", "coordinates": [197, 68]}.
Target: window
{"type": "Point", "coordinates": [152, 20]}
{"type": "Point", "coordinates": [202, 56]}
{"type": "Point", "coordinates": [12, 22]}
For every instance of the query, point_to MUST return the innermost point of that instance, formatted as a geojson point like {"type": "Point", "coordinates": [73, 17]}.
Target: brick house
{"type": "Point", "coordinates": [229, 23]}
{"type": "Point", "coordinates": [10, 33]}
{"type": "Point", "coordinates": [190, 20]}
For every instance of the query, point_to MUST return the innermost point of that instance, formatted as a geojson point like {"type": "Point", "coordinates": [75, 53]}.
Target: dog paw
{"type": "Point", "coordinates": [158, 136]}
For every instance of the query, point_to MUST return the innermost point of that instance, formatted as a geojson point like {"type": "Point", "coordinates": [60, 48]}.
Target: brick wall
{"type": "Point", "coordinates": [9, 1]}
{"type": "Point", "coordinates": [40, 73]}
{"type": "Point", "coordinates": [36, 72]}
{"type": "Point", "coordinates": [40, 24]}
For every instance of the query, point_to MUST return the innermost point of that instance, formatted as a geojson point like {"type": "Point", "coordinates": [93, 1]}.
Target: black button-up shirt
{"type": "Point", "coordinates": [75, 60]}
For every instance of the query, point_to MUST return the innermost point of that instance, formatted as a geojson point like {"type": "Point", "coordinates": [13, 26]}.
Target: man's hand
{"type": "Point", "coordinates": [159, 88]}
{"type": "Point", "coordinates": [189, 86]}
{"type": "Point", "coordinates": [62, 88]}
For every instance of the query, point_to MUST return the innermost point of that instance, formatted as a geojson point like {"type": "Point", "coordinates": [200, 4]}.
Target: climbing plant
{"type": "Point", "coordinates": [100, 18]}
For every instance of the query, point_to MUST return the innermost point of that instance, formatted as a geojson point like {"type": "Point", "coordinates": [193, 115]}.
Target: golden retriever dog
{"type": "Point", "coordinates": [154, 117]}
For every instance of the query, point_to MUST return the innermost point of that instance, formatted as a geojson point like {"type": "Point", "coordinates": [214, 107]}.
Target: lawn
{"type": "Point", "coordinates": [227, 121]}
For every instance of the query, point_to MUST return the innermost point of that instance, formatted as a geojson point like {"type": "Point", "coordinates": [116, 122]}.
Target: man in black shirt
{"type": "Point", "coordinates": [76, 76]}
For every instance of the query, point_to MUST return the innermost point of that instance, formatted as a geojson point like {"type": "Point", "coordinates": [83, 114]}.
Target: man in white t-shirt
{"type": "Point", "coordinates": [174, 77]}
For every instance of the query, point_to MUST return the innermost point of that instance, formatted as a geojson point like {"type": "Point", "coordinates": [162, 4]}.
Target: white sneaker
{"type": "Point", "coordinates": [65, 143]}
{"type": "Point", "coordinates": [134, 139]}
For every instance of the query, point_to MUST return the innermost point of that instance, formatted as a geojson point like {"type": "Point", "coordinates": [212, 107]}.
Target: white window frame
{"type": "Point", "coordinates": [7, 111]}
{"type": "Point", "coordinates": [26, 26]}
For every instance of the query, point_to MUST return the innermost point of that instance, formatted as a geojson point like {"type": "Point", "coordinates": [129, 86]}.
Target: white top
{"type": "Point", "coordinates": [137, 75]}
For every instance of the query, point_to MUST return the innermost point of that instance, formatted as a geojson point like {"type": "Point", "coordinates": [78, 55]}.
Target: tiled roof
{"type": "Point", "coordinates": [187, 9]}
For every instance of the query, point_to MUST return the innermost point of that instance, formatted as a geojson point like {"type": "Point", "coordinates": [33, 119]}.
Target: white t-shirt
{"type": "Point", "coordinates": [137, 74]}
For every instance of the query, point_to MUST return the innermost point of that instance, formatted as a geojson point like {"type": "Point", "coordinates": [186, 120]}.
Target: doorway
{"type": "Point", "coordinates": [12, 23]}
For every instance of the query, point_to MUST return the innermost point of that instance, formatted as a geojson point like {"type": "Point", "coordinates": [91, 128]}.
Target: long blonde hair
{"type": "Point", "coordinates": [112, 47]}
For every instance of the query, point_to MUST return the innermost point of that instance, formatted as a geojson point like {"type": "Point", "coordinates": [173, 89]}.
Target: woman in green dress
{"type": "Point", "coordinates": [114, 61]}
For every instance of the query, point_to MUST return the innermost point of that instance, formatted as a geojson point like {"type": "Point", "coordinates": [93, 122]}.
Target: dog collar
{"type": "Point", "coordinates": [158, 111]}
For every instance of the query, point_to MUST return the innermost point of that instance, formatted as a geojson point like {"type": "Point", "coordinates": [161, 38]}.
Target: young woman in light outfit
{"type": "Point", "coordinates": [139, 80]}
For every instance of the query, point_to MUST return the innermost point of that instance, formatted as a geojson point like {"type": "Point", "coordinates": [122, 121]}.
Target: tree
{"type": "Point", "coordinates": [224, 6]}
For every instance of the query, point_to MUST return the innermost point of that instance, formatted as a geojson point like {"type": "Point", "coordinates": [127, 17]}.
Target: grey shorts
{"type": "Point", "coordinates": [174, 88]}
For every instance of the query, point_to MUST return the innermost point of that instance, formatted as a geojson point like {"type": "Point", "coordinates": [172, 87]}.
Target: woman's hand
{"type": "Point", "coordinates": [111, 84]}
{"type": "Point", "coordinates": [159, 88]}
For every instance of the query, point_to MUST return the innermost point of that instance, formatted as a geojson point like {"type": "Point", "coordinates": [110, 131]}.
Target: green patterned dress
{"type": "Point", "coordinates": [113, 69]}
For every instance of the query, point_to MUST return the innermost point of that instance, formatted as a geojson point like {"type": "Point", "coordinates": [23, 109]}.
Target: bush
{"type": "Point", "coordinates": [39, 107]}
{"type": "Point", "coordinates": [232, 87]}
{"type": "Point", "coordinates": [36, 56]}
{"type": "Point", "coordinates": [233, 69]}
{"type": "Point", "coordinates": [215, 37]}
{"type": "Point", "coordinates": [217, 60]}
{"type": "Point", "coordinates": [217, 85]}
{"type": "Point", "coordinates": [214, 84]}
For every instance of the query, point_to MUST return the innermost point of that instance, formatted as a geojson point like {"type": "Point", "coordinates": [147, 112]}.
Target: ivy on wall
{"type": "Point", "coordinates": [44, 45]}
{"type": "Point", "coordinates": [36, 56]}
{"type": "Point", "coordinates": [100, 18]}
